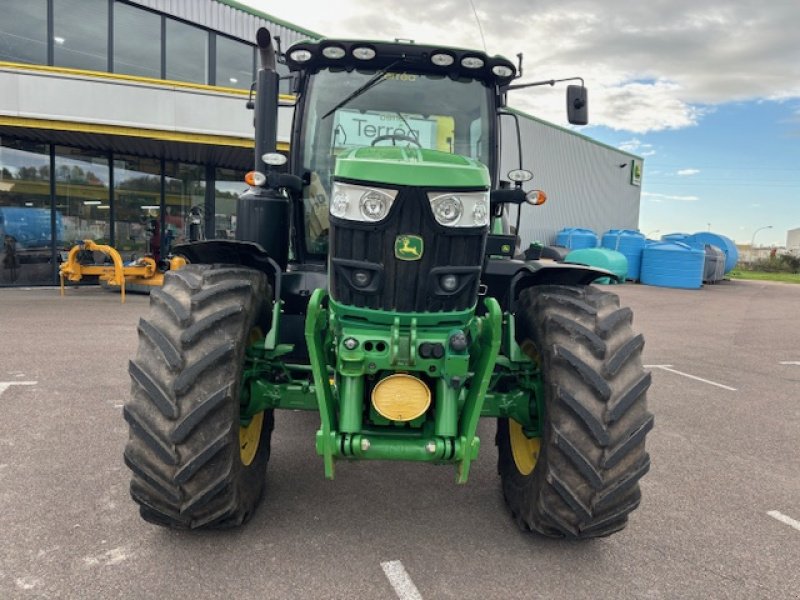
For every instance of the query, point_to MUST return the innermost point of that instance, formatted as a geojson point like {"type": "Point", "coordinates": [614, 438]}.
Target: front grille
{"type": "Point", "coordinates": [405, 286]}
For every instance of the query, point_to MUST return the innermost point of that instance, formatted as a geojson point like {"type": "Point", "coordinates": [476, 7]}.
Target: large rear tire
{"type": "Point", "coordinates": [193, 465]}
{"type": "Point", "coordinates": [580, 480]}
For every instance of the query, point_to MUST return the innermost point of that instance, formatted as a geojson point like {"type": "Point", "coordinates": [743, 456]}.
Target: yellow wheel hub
{"type": "Point", "coordinates": [249, 438]}
{"type": "Point", "coordinates": [525, 450]}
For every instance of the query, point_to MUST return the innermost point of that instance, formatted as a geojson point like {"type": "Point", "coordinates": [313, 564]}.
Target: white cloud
{"type": "Point", "coordinates": [688, 172]}
{"type": "Point", "coordinates": [636, 146]}
{"type": "Point", "coordinates": [649, 66]}
{"type": "Point", "coordinates": [652, 197]}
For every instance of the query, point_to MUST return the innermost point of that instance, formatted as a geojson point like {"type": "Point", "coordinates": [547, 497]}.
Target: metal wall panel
{"type": "Point", "coordinates": [223, 18]}
{"type": "Point", "coordinates": [119, 102]}
{"type": "Point", "coordinates": [587, 183]}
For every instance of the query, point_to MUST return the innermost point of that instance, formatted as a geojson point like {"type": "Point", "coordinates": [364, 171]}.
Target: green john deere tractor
{"type": "Point", "coordinates": [374, 280]}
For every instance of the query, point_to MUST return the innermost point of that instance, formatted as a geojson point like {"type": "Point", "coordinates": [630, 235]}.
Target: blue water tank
{"type": "Point", "coordinates": [673, 264]}
{"type": "Point", "coordinates": [629, 243]}
{"type": "Point", "coordinates": [575, 238]}
{"type": "Point", "coordinates": [720, 241]}
{"type": "Point", "coordinates": [675, 237]}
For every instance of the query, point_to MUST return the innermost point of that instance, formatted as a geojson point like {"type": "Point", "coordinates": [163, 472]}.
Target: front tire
{"type": "Point", "coordinates": [580, 480]}
{"type": "Point", "coordinates": [193, 465]}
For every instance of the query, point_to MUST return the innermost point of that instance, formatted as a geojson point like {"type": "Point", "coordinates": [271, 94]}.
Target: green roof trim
{"type": "Point", "coordinates": [573, 132]}
{"type": "Point", "coordinates": [257, 13]}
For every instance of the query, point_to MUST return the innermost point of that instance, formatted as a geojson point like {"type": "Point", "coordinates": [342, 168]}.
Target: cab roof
{"type": "Point", "coordinates": [312, 56]}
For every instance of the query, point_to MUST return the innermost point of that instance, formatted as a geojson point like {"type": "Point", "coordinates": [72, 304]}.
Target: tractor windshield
{"type": "Point", "coordinates": [399, 108]}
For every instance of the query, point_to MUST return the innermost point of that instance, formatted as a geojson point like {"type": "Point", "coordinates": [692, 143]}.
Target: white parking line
{"type": "Point", "coordinates": [695, 377]}
{"type": "Point", "coordinates": [789, 362]}
{"type": "Point", "coordinates": [4, 385]}
{"type": "Point", "coordinates": [784, 519]}
{"type": "Point", "coordinates": [401, 582]}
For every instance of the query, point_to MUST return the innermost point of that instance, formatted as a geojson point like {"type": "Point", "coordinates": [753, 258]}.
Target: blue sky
{"type": "Point", "coordinates": [738, 169]}
{"type": "Point", "coordinates": [708, 93]}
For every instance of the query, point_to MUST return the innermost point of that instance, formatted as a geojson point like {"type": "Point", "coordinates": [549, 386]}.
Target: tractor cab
{"type": "Point", "coordinates": [389, 114]}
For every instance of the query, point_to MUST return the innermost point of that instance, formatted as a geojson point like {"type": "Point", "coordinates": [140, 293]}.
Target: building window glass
{"type": "Point", "coordinates": [284, 85]}
{"type": "Point", "coordinates": [23, 31]}
{"type": "Point", "coordinates": [82, 197]}
{"type": "Point", "coordinates": [234, 63]}
{"type": "Point", "coordinates": [184, 203]}
{"type": "Point", "coordinates": [80, 34]}
{"type": "Point", "coordinates": [137, 206]}
{"type": "Point", "coordinates": [25, 216]}
{"type": "Point", "coordinates": [137, 41]}
{"type": "Point", "coordinates": [187, 52]}
{"type": "Point", "coordinates": [228, 185]}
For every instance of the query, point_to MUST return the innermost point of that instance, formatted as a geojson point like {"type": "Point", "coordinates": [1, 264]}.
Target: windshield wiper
{"type": "Point", "coordinates": [372, 82]}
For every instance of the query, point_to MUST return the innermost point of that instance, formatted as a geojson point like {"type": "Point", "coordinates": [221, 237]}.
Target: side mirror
{"type": "Point", "coordinates": [577, 105]}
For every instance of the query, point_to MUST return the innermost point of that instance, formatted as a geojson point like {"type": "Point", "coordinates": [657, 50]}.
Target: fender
{"type": "Point", "coordinates": [233, 252]}
{"type": "Point", "coordinates": [506, 279]}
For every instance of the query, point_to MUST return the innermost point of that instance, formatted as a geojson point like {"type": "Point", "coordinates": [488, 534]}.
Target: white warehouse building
{"type": "Point", "coordinates": [117, 117]}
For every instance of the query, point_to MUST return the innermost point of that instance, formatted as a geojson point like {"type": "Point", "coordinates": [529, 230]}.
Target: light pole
{"type": "Point", "coordinates": [753, 241]}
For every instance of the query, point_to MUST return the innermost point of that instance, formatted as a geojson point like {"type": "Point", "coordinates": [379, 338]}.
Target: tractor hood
{"type": "Point", "coordinates": [411, 167]}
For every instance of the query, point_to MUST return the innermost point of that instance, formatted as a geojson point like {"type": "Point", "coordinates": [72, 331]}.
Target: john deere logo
{"type": "Point", "coordinates": [408, 247]}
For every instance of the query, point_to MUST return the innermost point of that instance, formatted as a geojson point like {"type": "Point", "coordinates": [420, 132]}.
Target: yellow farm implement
{"type": "Point", "coordinates": [142, 272]}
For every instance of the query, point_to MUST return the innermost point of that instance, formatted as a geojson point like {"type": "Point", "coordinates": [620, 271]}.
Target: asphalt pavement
{"type": "Point", "coordinates": [720, 516]}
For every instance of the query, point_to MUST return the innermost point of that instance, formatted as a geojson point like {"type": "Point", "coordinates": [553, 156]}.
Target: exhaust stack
{"type": "Point", "coordinates": [263, 214]}
{"type": "Point", "coordinates": [266, 115]}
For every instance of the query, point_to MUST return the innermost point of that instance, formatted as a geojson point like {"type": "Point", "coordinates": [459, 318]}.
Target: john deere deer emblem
{"type": "Point", "coordinates": [408, 247]}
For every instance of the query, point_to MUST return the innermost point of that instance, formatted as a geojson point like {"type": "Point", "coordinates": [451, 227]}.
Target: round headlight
{"type": "Point", "coordinates": [502, 71]}
{"type": "Point", "coordinates": [480, 215]}
{"type": "Point", "coordinates": [442, 60]}
{"type": "Point", "coordinates": [374, 205]}
{"type": "Point", "coordinates": [333, 52]}
{"type": "Point", "coordinates": [472, 62]}
{"type": "Point", "coordinates": [447, 209]}
{"type": "Point", "coordinates": [448, 282]}
{"type": "Point", "coordinates": [362, 278]}
{"type": "Point", "coordinates": [300, 56]}
{"type": "Point", "coordinates": [339, 205]}
{"type": "Point", "coordinates": [363, 53]}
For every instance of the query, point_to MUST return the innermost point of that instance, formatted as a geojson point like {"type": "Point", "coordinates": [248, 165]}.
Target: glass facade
{"type": "Point", "coordinates": [235, 61]}
{"type": "Point", "coordinates": [184, 201]}
{"type": "Point", "coordinates": [137, 206]}
{"type": "Point", "coordinates": [137, 41]}
{"type": "Point", "coordinates": [26, 219]}
{"type": "Point", "coordinates": [82, 197]}
{"type": "Point", "coordinates": [228, 184]}
{"type": "Point", "coordinates": [80, 34]}
{"type": "Point", "coordinates": [153, 205]}
{"type": "Point", "coordinates": [143, 42]}
{"type": "Point", "coordinates": [23, 31]}
{"type": "Point", "coordinates": [187, 52]}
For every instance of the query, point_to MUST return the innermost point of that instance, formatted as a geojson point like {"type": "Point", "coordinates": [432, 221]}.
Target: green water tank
{"type": "Point", "coordinates": [604, 258]}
